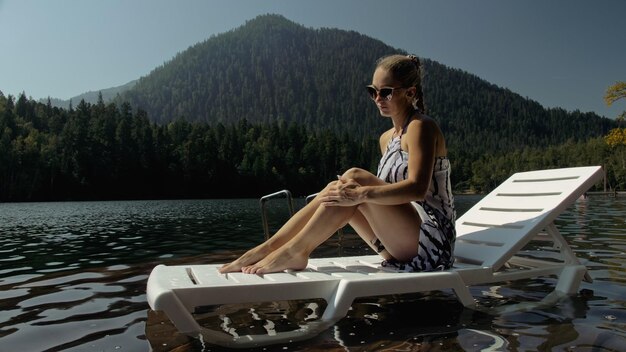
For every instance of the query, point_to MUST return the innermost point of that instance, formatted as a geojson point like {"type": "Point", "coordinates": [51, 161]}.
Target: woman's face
{"type": "Point", "coordinates": [398, 103]}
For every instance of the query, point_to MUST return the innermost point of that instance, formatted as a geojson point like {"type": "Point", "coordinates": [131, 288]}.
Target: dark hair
{"type": "Point", "coordinates": [407, 70]}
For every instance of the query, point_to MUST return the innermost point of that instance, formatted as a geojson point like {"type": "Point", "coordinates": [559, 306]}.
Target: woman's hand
{"type": "Point", "coordinates": [344, 192]}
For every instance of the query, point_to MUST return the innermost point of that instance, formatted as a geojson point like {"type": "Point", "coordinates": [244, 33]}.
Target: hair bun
{"type": "Point", "coordinates": [414, 58]}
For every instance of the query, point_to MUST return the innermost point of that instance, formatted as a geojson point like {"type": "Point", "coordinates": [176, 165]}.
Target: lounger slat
{"type": "Point", "coordinates": [241, 278]}
{"type": "Point", "coordinates": [536, 187]}
{"type": "Point", "coordinates": [521, 203]}
{"type": "Point", "coordinates": [346, 274]}
{"type": "Point", "coordinates": [494, 237]}
{"type": "Point", "coordinates": [283, 277]}
{"type": "Point", "coordinates": [479, 254]}
{"type": "Point", "coordinates": [508, 219]}
{"type": "Point", "coordinates": [362, 269]}
{"type": "Point", "coordinates": [313, 275]}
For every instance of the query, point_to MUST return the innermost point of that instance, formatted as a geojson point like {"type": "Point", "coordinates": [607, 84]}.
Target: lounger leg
{"type": "Point", "coordinates": [566, 251]}
{"type": "Point", "coordinates": [338, 304]}
{"type": "Point", "coordinates": [464, 296]}
{"type": "Point", "coordinates": [570, 278]}
{"type": "Point", "coordinates": [179, 315]}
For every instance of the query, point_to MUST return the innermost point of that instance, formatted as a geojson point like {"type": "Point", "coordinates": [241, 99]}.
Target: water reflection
{"type": "Point", "coordinates": [73, 275]}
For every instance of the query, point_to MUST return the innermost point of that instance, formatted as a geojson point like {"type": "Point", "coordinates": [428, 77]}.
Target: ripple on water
{"type": "Point", "coordinates": [14, 293]}
{"type": "Point", "coordinates": [64, 280]}
{"type": "Point", "coordinates": [16, 279]}
{"type": "Point", "coordinates": [63, 297]}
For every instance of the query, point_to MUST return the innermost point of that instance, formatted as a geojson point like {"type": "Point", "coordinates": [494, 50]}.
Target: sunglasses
{"type": "Point", "coordinates": [384, 93]}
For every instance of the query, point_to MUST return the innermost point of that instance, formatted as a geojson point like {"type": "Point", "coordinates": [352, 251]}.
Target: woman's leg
{"type": "Point", "coordinates": [362, 227]}
{"type": "Point", "coordinates": [294, 254]}
{"type": "Point", "coordinates": [397, 227]}
{"type": "Point", "coordinates": [282, 236]}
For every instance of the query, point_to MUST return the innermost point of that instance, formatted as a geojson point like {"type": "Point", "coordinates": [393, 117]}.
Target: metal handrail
{"type": "Point", "coordinates": [310, 197]}
{"type": "Point", "coordinates": [284, 193]}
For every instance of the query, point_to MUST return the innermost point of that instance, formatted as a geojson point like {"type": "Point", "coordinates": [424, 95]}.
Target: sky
{"type": "Point", "coordinates": [560, 53]}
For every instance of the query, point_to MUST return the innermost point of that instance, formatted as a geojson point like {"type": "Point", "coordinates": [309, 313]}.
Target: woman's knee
{"type": "Point", "coordinates": [358, 174]}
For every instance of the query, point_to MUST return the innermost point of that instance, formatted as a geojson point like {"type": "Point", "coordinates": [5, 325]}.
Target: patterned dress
{"type": "Point", "coordinates": [437, 232]}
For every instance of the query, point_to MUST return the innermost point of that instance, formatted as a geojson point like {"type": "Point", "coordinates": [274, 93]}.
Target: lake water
{"type": "Point", "coordinates": [73, 277]}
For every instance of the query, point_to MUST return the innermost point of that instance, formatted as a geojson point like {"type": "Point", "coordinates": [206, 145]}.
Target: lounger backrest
{"type": "Point", "coordinates": [505, 220]}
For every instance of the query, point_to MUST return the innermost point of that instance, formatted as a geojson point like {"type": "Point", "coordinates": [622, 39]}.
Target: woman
{"type": "Point", "coordinates": [405, 212]}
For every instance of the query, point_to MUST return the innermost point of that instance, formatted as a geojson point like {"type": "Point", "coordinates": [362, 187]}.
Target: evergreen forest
{"type": "Point", "coordinates": [274, 105]}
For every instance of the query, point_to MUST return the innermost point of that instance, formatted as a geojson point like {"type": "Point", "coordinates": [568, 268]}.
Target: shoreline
{"type": "Point", "coordinates": [607, 193]}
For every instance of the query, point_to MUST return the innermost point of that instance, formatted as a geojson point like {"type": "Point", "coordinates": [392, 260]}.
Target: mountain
{"type": "Point", "coordinates": [268, 69]}
{"type": "Point", "coordinates": [91, 97]}
{"type": "Point", "coordinates": [273, 69]}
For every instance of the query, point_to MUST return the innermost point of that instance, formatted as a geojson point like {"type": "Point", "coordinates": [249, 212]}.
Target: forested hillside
{"type": "Point", "coordinates": [105, 151]}
{"type": "Point", "coordinates": [274, 105]}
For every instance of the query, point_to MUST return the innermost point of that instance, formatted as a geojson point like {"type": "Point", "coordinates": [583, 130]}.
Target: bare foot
{"type": "Point", "coordinates": [279, 260]}
{"type": "Point", "coordinates": [250, 257]}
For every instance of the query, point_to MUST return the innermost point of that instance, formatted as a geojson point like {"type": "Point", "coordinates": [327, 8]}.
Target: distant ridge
{"type": "Point", "coordinates": [91, 97]}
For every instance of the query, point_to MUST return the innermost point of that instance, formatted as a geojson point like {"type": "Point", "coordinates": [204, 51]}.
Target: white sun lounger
{"type": "Point", "coordinates": [490, 239]}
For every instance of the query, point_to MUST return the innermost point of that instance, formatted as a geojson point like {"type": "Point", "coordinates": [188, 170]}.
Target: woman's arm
{"type": "Point", "coordinates": [420, 141]}
{"type": "Point", "coordinates": [384, 140]}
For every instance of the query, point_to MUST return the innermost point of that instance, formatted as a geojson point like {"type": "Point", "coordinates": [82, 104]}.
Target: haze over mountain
{"type": "Point", "coordinates": [92, 97]}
